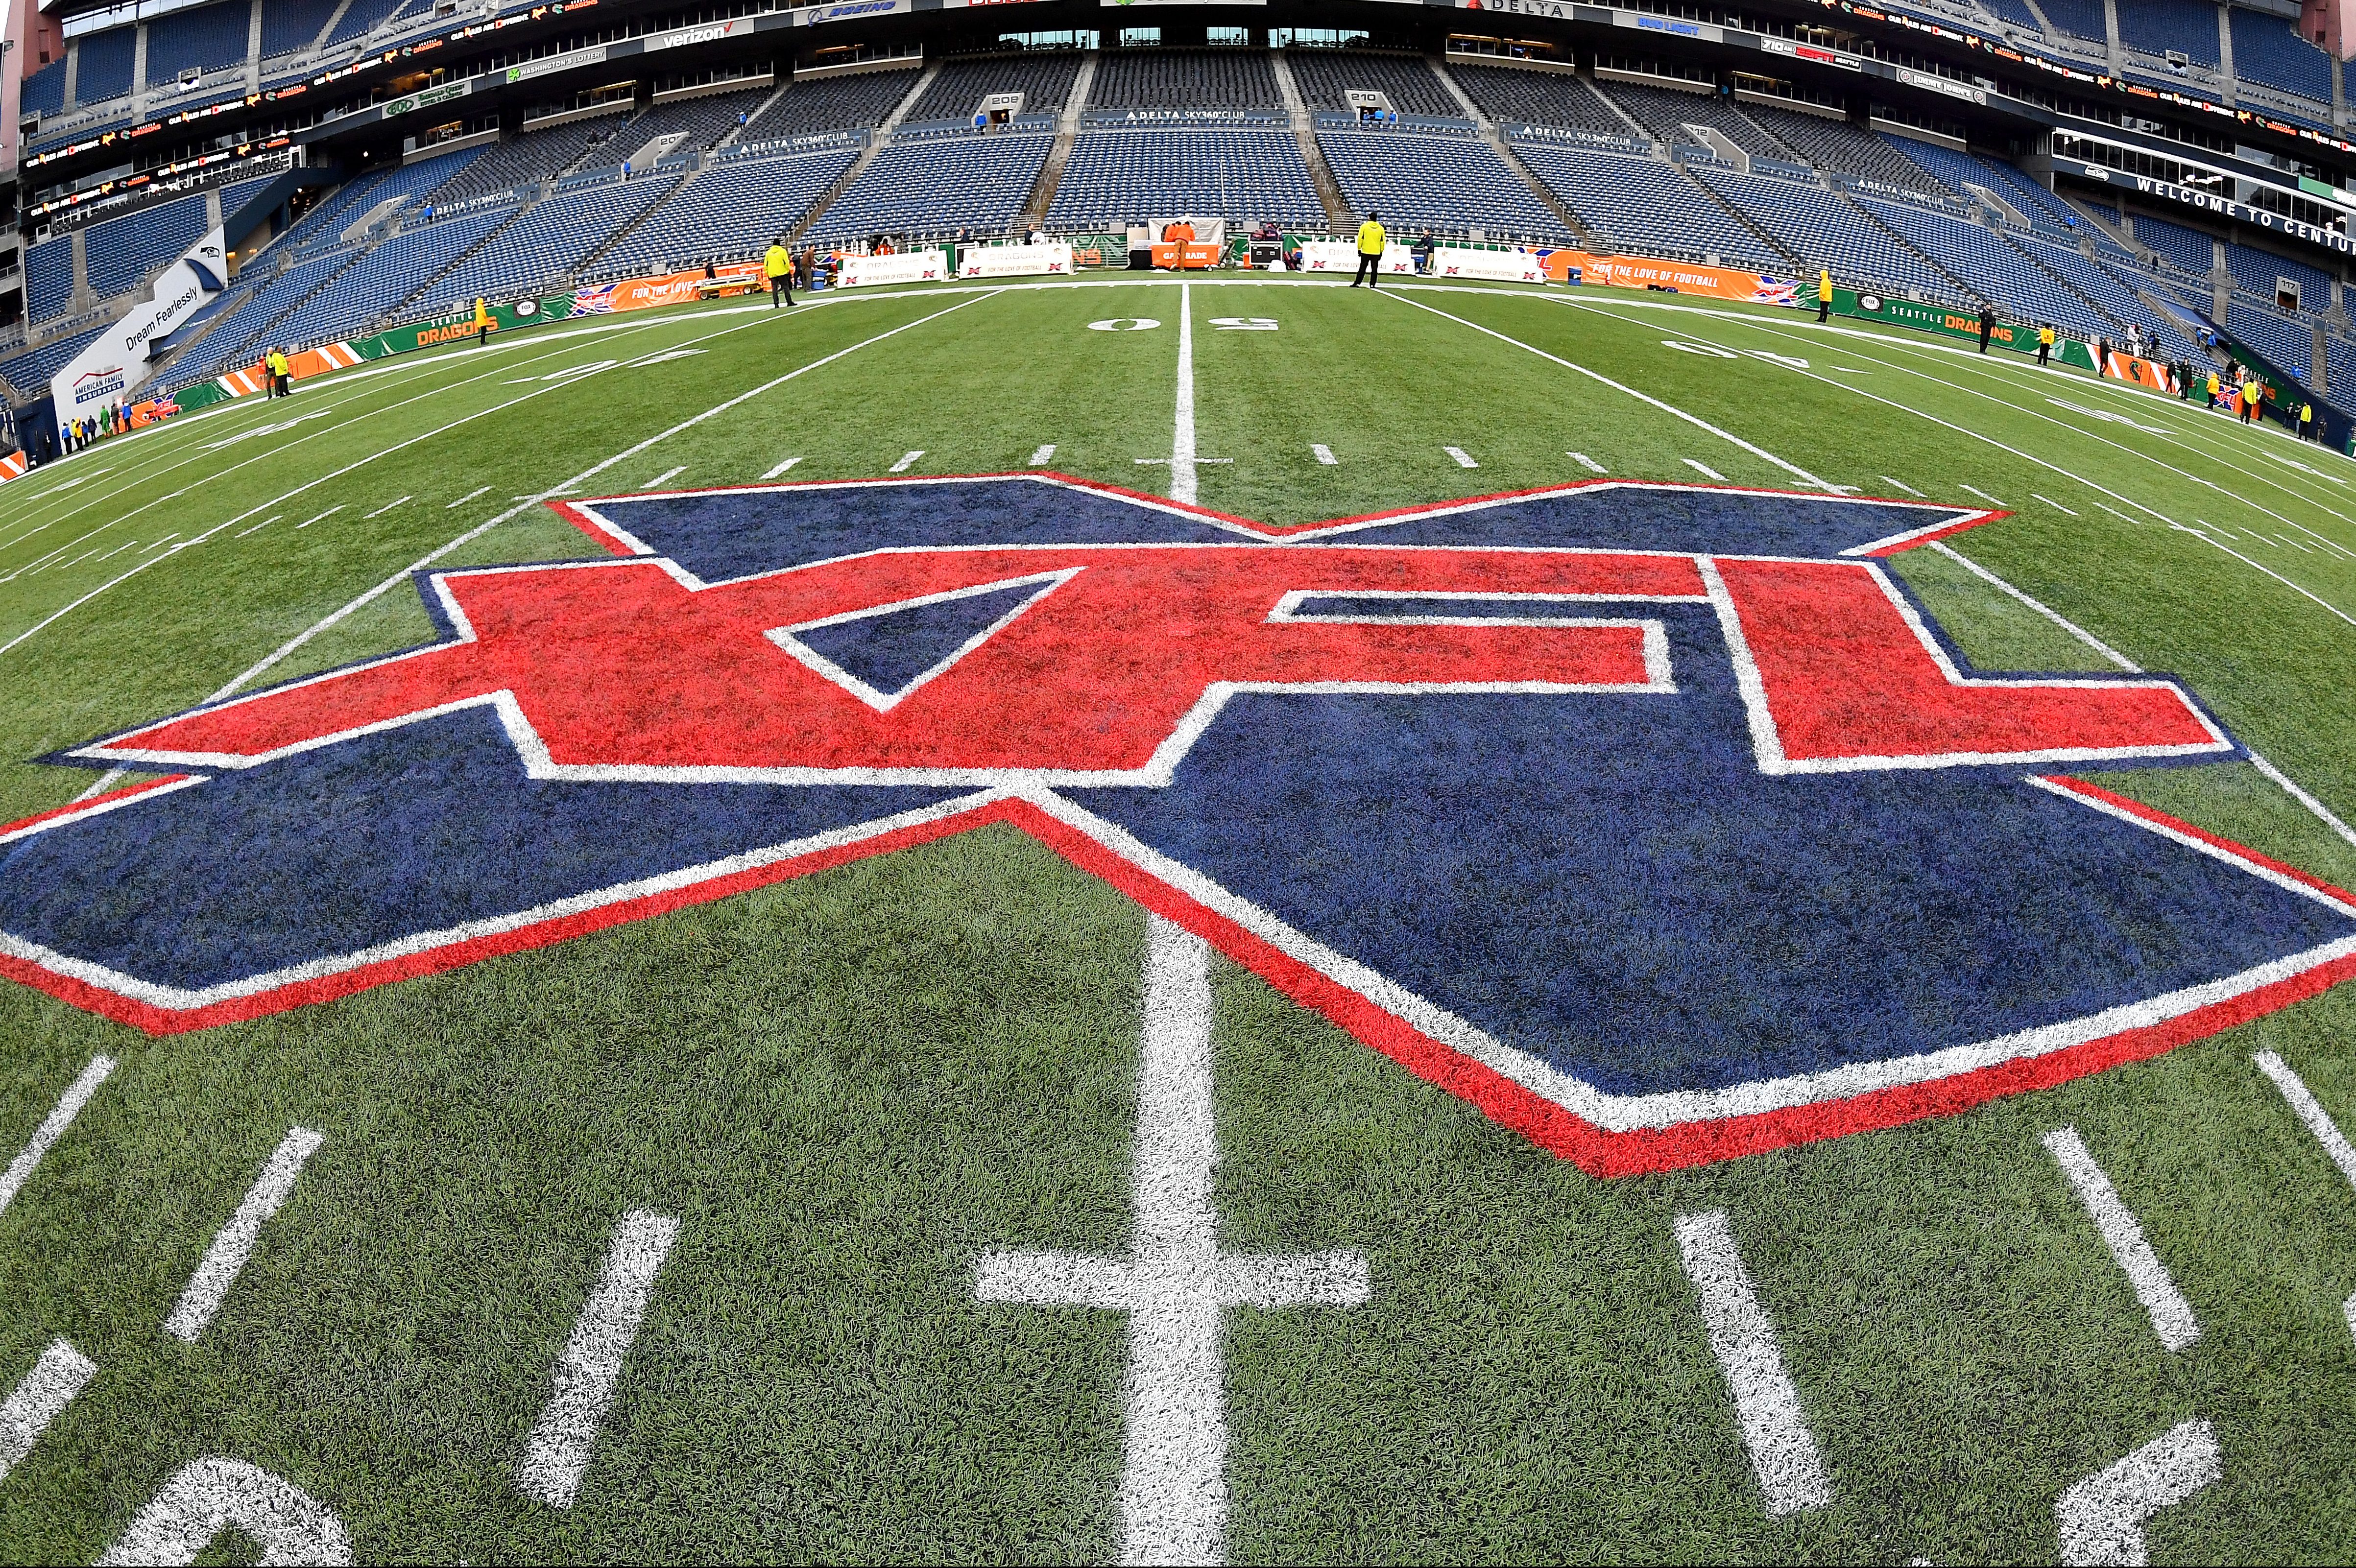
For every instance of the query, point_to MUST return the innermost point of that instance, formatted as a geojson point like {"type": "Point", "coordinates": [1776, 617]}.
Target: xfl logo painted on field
{"type": "Point", "coordinates": [1660, 821]}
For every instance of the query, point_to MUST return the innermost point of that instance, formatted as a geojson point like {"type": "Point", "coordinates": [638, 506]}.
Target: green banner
{"type": "Point", "coordinates": [1946, 322]}
{"type": "Point", "coordinates": [457, 326]}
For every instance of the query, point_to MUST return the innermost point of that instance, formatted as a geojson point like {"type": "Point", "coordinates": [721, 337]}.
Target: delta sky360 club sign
{"type": "Point", "coordinates": [1660, 821]}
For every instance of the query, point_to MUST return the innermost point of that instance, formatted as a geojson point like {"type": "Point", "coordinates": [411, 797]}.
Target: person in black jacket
{"type": "Point", "coordinates": [1987, 326]}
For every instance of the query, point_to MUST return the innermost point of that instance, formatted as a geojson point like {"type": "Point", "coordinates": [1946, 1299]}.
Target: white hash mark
{"type": "Point", "coordinates": [464, 498]}
{"type": "Point", "coordinates": [1902, 484]}
{"type": "Point", "coordinates": [1046, 451]}
{"type": "Point", "coordinates": [53, 1128]}
{"type": "Point", "coordinates": [2171, 1315]}
{"type": "Point", "coordinates": [1464, 459]}
{"type": "Point", "coordinates": [1774, 1428]}
{"type": "Point", "coordinates": [557, 1455]}
{"type": "Point", "coordinates": [2311, 1111]}
{"type": "Point", "coordinates": [907, 458]}
{"type": "Point", "coordinates": [665, 477]}
{"type": "Point", "coordinates": [210, 1496]}
{"type": "Point", "coordinates": [1325, 454]}
{"type": "Point", "coordinates": [387, 506]}
{"type": "Point", "coordinates": [1175, 1285]}
{"type": "Point", "coordinates": [35, 1402]}
{"type": "Point", "coordinates": [1704, 469]}
{"type": "Point", "coordinates": [781, 468]}
{"type": "Point", "coordinates": [1981, 494]}
{"type": "Point", "coordinates": [2101, 1519]}
{"type": "Point", "coordinates": [226, 1258]}
{"type": "Point", "coordinates": [1588, 464]}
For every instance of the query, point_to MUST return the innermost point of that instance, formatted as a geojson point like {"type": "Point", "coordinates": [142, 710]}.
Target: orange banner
{"type": "Point", "coordinates": [1685, 277]}
{"type": "Point", "coordinates": [1174, 256]}
{"type": "Point", "coordinates": [2144, 372]}
{"type": "Point", "coordinates": [678, 288]}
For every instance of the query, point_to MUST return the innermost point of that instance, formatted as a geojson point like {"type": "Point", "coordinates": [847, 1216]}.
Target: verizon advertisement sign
{"type": "Point", "coordinates": [115, 363]}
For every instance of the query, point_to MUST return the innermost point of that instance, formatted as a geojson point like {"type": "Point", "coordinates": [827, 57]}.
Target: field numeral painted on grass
{"type": "Point", "coordinates": [2171, 1315]}
{"type": "Point", "coordinates": [1243, 323]}
{"type": "Point", "coordinates": [226, 1258]}
{"type": "Point", "coordinates": [204, 1499]}
{"type": "Point", "coordinates": [2101, 1519]}
{"type": "Point", "coordinates": [35, 1402]}
{"type": "Point", "coordinates": [53, 1128]}
{"type": "Point", "coordinates": [557, 1455]}
{"type": "Point", "coordinates": [1125, 324]}
{"type": "Point", "coordinates": [1774, 1428]}
{"type": "Point", "coordinates": [1177, 1286]}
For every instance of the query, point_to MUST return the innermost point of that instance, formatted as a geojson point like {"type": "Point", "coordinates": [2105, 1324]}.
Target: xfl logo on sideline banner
{"type": "Point", "coordinates": [1660, 821]}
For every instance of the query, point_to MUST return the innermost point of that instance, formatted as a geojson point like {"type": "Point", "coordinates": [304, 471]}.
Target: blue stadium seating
{"type": "Point", "coordinates": [1044, 80]}
{"type": "Point", "coordinates": [364, 14]}
{"type": "Point", "coordinates": [29, 372]}
{"type": "Point", "coordinates": [383, 277]}
{"type": "Point", "coordinates": [44, 92]}
{"type": "Point", "coordinates": [2012, 11]}
{"type": "Point", "coordinates": [1326, 76]}
{"type": "Point", "coordinates": [206, 39]}
{"type": "Point", "coordinates": [1837, 144]}
{"type": "Point", "coordinates": [235, 339]}
{"type": "Point", "coordinates": [546, 243]}
{"type": "Point", "coordinates": [2083, 17]}
{"type": "Point", "coordinates": [119, 253]}
{"type": "Point", "coordinates": [1997, 272]}
{"type": "Point", "coordinates": [291, 25]}
{"type": "Point", "coordinates": [533, 156]}
{"type": "Point", "coordinates": [105, 68]}
{"type": "Point", "coordinates": [2289, 342]}
{"type": "Point", "coordinates": [2268, 49]}
{"type": "Point", "coordinates": [1445, 183]}
{"type": "Point", "coordinates": [1824, 230]}
{"type": "Point", "coordinates": [2188, 26]}
{"type": "Point", "coordinates": [1645, 206]}
{"type": "Point", "coordinates": [975, 180]}
{"type": "Point", "coordinates": [48, 278]}
{"type": "Point", "coordinates": [2257, 270]}
{"type": "Point", "coordinates": [1510, 95]}
{"type": "Point", "coordinates": [2186, 249]}
{"type": "Point", "coordinates": [1135, 177]}
{"type": "Point", "coordinates": [830, 103]}
{"type": "Point", "coordinates": [730, 212]}
{"type": "Point", "coordinates": [1667, 112]}
{"type": "Point", "coordinates": [1185, 78]}
{"type": "Point", "coordinates": [2105, 288]}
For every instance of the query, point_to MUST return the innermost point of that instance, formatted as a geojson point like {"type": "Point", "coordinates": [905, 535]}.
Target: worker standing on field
{"type": "Point", "coordinates": [1824, 296]}
{"type": "Point", "coordinates": [2214, 386]}
{"type": "Point", "coordinates": [1370, 253]}
{"type": "Point", "coordinates": [482, 322]}
{"type": "Point", "coordinates": [1988, 326]}
{"type": "Point", "coordinates": [779, 266]}
{"type": "Point", "coordinates": [2045, 345]}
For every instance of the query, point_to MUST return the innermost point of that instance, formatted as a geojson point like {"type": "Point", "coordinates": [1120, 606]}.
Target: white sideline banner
{"type": "Point", "coordinates": [1016, 262]}
{"type": "Point", "coordinates": [1498, 266]}
{"type": "Point", "coordinates": [908, 267]}
{"type": "Point", "coordinates": [1342, 256]}
{"type": "Point", "coordinates": [115, 362]}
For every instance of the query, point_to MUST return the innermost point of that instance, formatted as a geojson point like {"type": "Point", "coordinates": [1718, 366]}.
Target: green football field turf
{"type": "Point", "coordinates": [851, 1087]}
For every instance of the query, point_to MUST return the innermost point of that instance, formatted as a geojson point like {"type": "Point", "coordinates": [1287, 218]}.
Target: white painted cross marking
{"type": "Point", "coordinates": [204, 1499]}
{"type": "Point", "coordinates": [2101, 1519]}
{"type": "Point", "coordinates": [557, 1455]}
{"type": "Point", "coordinates": [1588, 464]}
{"type": "Point", "coordinates": [36, 1400]}
{"type": "Point", "coordinates": [1462, 460]}
{"type": "Point", "coordinates": [1705, 470]}
{"type": "Point", "coordinates": [2171, 1315]}
{"type": "Point", "coordinates": [1902, 484]}
{"type": "Point", "coordinates": [1323, 454]}
{"type": "Point", "coordinates": [1774, 1428]}
{"type": "Point", "coordinates": [2050, 502]}
{"type": "Point", "coordinates": [225, 1259]}
{"type": "Point", "coordinates": [1044, 452]}
{"type": "Point", "coordinates": [53, 1128]}
{"type": "Point", "coordinates": [1981, 494]}
{"type": "Point", "coordinates": [907, 458]}
{"type": "Point", "coordinates": [387, 506]}
{"type": "Point", "coordinates": [321, 518]}
{"type": "Point", "coordinates": [781, 468]}
{"type": "Point", "coordinates": [1176, 1285]}
{"type": "Point", "coordinates": [666, 476]}
{"type": "Point", "coordinates": [464, 498]}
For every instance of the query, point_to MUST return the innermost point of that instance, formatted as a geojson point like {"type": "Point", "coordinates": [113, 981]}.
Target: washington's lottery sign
{"type": "Point", "coordinates": [1659, 821]}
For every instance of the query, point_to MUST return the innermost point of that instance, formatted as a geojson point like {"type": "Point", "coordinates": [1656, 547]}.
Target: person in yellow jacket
{"type": "Point", "coordinates": [2216, 385]}
{"type": "Point", "coordinates": [779, 267]}
{"type": "Point", "coordinates": [279, 369]}
{"type": "Point", "coordinates": [482, 322]}
{"type": "Point", "coordinates": [2305, 421]}
{"type": "Point", "coordinates": [2045, 345]}
{"type": "Point", "coordinates": [1370, 253]}
{"type": "Point", "coordinates": [1824, 296]}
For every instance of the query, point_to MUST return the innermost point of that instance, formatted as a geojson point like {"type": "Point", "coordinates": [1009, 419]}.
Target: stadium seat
{"type": "Point", "coordinates": [1667, 111]}
{"type": "Point", "coordinates": [975, 181]}
{"type": "Point", "coordinates": [829, 103]}
{"type": "Point", "coordinates": [543, 245]}
{"type": "Point", "coordinates": [289, 26]}
{"type": "Point", "coordinates": [2268, 49]}
{"type": "Point", "coordinates": [48, 278]}
{"type": "Point", "coordinates": [1044, 80]}
{"type": "Point", "coordinates": [2257, 270]}
{"type": "Point", "coordinates": [44, 92]}
{"type": "Point", "coordinates": [105, 68]}
{"type": "Point", "coordinates": [122, 251]}
{"type": "Point", "coordinates": [1510, 96]}
{"type": "Point", "coordinates": [2187, 249]}
{"type": "Point", "coordinates": [206, 39]}
{"type": "Point", "coordinates": [530, 158]}
{"type": "Point", "coordinates": [1326, 77]}
{"type": "Point", "coordinates": [729, 212]}
{"type": "Point", "coordinates": [29, 371]}
{"type": "Point", "coordinates": [1824, 230]}
{"type": "Point", "coordinates": [2083, 18]}
{"type": "Point", "coordinates": [1185, 78]}
{"type": "Point", "coordinates": [2188, 26]}
{"type": "Point", "coordinates": [1645, 206]}
{"type": "Point", "coordinates": [1241, 175]}
{"type": "Point", "coordinates": [1445, 183]}
{"type": "Point", "coordinates": [382, 276]}
{"type": "Point", "coordinates": [1837, 144]}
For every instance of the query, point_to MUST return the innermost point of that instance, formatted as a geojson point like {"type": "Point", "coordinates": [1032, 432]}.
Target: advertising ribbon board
{"type": "Point", "coordinates": [1015, 261]}
{"type": "Point", "coordinates": [115, 362]}
{"type": "Point", "coordinates": [1685, 277]}
{"type": "Point", "coordinates": [908, 267]}
{"type": "Point", "coordinates": [1497, 266]}
{"type": "Point", "coordinates": [1342, 256]}
{"type": "Point", "coordinates": [1176, 257]}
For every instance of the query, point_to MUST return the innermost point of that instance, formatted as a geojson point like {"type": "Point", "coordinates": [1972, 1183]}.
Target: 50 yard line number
{"type": "Point", "coordinates": [1147, 324]}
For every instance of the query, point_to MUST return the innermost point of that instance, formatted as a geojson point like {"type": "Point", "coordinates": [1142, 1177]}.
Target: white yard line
{"type": "Point", "coordinates": [1176, 1285]}
{"type": "Point", "coordinates": [2311, 1111]}
{"type": "Point", "coordinates": [556, 1456]}
{"type": "Point", "coordinates": [59, 1374]}
{"type": "Point", "coordinates": [1774, 1428]}
{"type": "Point", "coordinates": [1183, 486]}
{"type": "Point", "coordinates": [2171, 1315]}
{"type": "Point", "coordinates": [53, 1128]}
{"type": "Point", "coordinates": [2083, 636]}
{"type": "Point", "coordinates": [2101, 1519]}
{"type": "Point", "coordinates": [1695, 420]}
{"type": "Point", "coordinates": [288, 648]}
{"type": "Point", "coordinates": [2290, 787]}
{"type": "Point", "coordinates": [233, 1245]}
